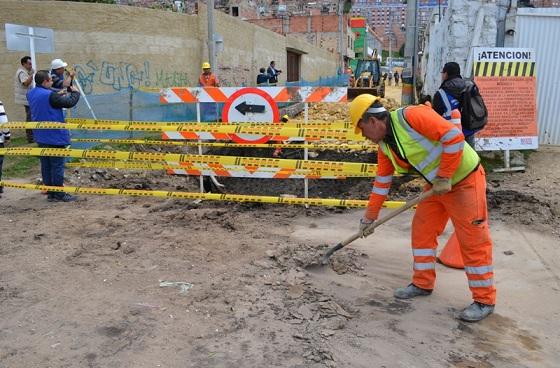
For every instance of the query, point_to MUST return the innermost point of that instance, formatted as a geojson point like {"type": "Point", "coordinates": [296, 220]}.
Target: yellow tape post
{"type": "Point", "coordinates": [276, 132]}
{"type": "Point", "coordinates": [341, 168]}
{"type": "Point", "coordinates": [327, 202]}
{"type": "Point", "coordinates": [310, 146]}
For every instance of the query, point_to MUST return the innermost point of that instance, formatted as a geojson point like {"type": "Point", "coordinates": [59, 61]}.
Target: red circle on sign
{"type": "Point", "coordinates": [245, 91]}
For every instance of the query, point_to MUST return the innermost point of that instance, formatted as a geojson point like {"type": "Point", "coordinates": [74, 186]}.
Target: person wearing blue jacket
{"type": "Point", "coordinates": [47, 105]}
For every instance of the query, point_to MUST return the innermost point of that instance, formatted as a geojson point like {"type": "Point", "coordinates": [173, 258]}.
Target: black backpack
{"type": "Point", "coordinates": [474, 114]}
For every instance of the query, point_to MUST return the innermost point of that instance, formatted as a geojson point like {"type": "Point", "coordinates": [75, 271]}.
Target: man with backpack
{"type": "Point", "coordinates": [459, 98]}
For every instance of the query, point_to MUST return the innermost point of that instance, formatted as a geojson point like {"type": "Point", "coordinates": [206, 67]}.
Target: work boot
{"type": "Point", "coordinates": [476, 312]}
{"type": "Point", "coordinates": [63, 198]}
{"type": "Point", "coordinates": [411, 291]}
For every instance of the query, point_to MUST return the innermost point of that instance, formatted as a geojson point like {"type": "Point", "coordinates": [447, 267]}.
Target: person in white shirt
{"type": "Point", "coordinates": [23, 82]}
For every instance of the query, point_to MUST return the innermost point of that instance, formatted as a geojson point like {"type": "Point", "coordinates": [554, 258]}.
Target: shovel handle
{"type": "Point", "coordinates": [413, 202]}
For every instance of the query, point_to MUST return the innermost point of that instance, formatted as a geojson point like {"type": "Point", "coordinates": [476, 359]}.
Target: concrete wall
{"type": "Point", "coordinates": [117, 47]}
{"type": "Point", "coordinates": [453, 37]}
{"type": "Point", "coordinates": [319, 30]}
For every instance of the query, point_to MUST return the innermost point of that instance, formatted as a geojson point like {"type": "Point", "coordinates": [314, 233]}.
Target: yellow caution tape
{"type": "Point", "coordinates": [226, 171]}
{"type": "Point", "coordinates": [342, 168]}
{"type": "Point", "coordinates": [265, 130]}
{"type": "Point", "coordinates": [328, 202]}
{"type": "Point", "coordinates": [310, 146]}
{"type": "Point", "coordinates": [292, 124]}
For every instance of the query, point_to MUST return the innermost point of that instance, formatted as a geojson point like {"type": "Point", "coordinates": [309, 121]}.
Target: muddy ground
{"type": "Point", "coordinates": [144, 282]}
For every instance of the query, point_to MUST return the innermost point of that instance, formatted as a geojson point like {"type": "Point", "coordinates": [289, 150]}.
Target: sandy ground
{"type": "Point", "coordinates": [80, 285]}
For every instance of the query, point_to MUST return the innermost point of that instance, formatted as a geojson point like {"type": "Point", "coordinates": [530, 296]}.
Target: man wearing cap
{"type": "Point", "coordinates": [58, 67]}
{"type": "Point", "coordinates": [447, 99]}
{"type": "Point", "coordinates": [208, 110]}
{"type": "Point", "coordinates": [207, 78]}
{"type": "Point", "coordinates": [415, 139]}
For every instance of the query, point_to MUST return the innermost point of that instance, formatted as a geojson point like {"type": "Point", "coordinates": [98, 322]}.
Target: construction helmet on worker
{"type": "Point", "coordinates": [415, 139]}
{"type": "Point", "coordinates": [207, 78]}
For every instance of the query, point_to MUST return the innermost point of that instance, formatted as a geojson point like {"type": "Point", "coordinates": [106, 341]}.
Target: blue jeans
{"type": "Point", "coordinates": [52, 170]}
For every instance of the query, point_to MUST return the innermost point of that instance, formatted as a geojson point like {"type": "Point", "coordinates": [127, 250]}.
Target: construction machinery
{"type": "Point", "coordinates": [367, 78]}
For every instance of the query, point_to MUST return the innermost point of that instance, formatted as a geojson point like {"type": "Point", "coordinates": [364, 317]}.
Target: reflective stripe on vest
{"type": "Point", "coordinates": [450, 102]}
{"type": "Point", "coordinates": [424, 154]}
{"type": "Point", "coordinates": [455, 118]}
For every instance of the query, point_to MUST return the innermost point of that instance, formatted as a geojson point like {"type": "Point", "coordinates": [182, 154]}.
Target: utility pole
{"type": "Point", "coordinates": [211, 41]}
{"type": "Point", "coordinates": [415, 53]}
{"type": "Point", "coordinates": [389, 33]}
{"type": "Point", "coordinates": [341, 34]}
{"type": "Point", "coordinates": [409, 57]}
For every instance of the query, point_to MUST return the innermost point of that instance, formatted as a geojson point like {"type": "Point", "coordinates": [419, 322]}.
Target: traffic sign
{"type": "Point", "coordinates": [250, 105]}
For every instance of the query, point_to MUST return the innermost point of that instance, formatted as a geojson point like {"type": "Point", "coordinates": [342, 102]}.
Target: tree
{"type": "Point", "coordinates": [401, 51]}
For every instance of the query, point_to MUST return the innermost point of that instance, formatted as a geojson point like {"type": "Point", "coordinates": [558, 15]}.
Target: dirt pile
{"type": "Point", "coordinates": [303, 256]}
{"type": "Point", "coordinates": [337, 112]}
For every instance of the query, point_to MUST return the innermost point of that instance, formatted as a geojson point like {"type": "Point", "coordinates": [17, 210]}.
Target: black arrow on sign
{"type": "Point", "coordinates": [244, 108]}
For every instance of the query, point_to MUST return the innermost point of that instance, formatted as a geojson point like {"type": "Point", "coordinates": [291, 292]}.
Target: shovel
{"type": "Point", "coordinates": [368, 231]}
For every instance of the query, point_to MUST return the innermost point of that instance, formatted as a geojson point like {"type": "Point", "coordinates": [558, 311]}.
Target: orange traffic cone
{"type": "Point", "coordinates": [450, 256]}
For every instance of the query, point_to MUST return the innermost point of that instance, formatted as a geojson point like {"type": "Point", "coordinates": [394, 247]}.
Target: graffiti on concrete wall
{"type": "Point", "coordinates": [122, 75]}
{"type": "Point", "coordinates": [234, 76]}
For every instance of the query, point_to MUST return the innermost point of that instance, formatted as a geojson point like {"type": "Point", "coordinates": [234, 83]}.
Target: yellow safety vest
{"type": "Point", "coordinates": [425, 154]}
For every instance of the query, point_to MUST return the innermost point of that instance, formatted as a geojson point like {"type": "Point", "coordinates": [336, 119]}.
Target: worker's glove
{"type": "Point", "coordinates": [441, 185]}
{"type": "Point", "coordinates": [364, 225]}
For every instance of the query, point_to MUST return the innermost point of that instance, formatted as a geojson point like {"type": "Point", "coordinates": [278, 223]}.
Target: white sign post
{"type": "Point", "coordinates": [35, 39]}
{"type": "Point", "coordinates": [32, 39]}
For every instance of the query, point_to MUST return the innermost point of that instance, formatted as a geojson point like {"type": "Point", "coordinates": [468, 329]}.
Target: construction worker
{"type": "Point", "coordinates": [208, 110]}
{"type": "Point", "coordinates": [416, 138]}
{"type": "Point", "coordinates": [278, 151]}
{"type": "Point", "coordinates": [207, 78]}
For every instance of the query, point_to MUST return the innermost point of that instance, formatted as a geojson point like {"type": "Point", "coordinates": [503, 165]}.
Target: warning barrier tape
{"type": "Point", "coordinates": [310, 146]}
{"type": "Point", "coordinates": [291, 124]}
{"type": "Point", "coordinates": [251, 163]}
{"type": "Point", "coordinates": [328, 202]}
{"type": "Point", "coordinates": [278, 94]}
{"type": "Point", "coordinates": [216, 170]}
{"type": "Point", "coordinates": [276, 132]}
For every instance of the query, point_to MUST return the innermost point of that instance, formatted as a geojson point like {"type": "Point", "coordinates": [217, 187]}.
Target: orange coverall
{"type": "Point", "coordinates": [208, 80]}
{"type": "Point", "coordinates": [465, 204]}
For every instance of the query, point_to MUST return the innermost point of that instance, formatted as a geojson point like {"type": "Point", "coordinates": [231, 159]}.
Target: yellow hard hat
{"type": "Point", "coordinates": [206, 65]}
{"type": "Point", "coordinates": [358, 107]}
{"type": "Point", "coordinates": [285, 117]}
